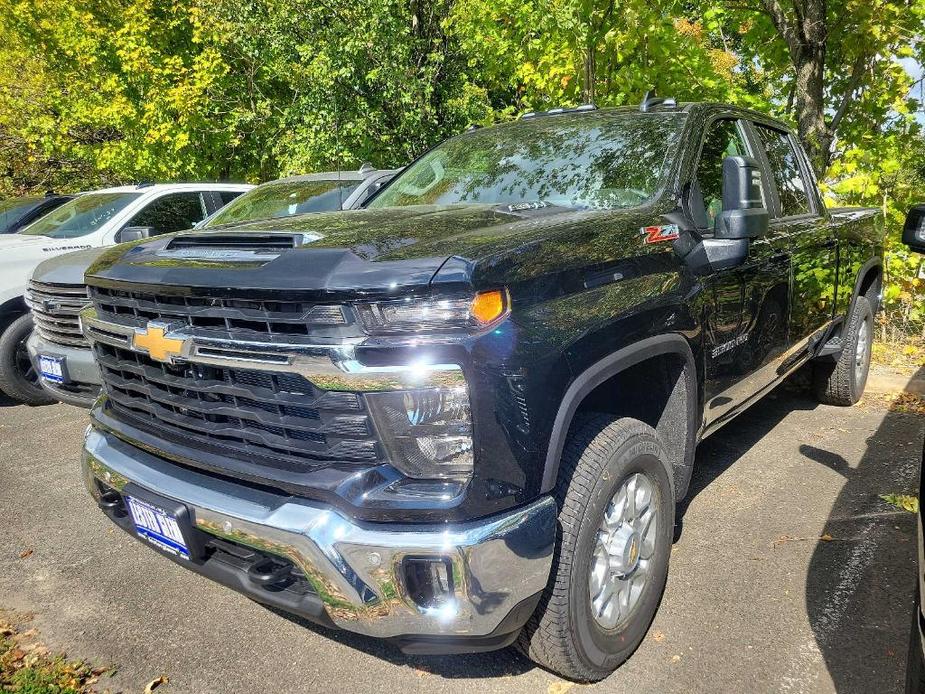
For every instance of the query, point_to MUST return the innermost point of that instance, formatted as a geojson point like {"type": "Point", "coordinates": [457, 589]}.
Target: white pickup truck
{"type": "Point", "coordinates": [90, 220]}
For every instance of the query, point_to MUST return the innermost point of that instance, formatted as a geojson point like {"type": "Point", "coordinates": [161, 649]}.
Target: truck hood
{"type": "Point", "coordinates": [67, 268]}
{"type": "Point", "coordinates": [361, 251]}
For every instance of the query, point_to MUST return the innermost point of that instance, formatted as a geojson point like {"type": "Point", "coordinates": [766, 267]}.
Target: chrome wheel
{"type": "Point", "coordinates": [623, 550]}
{"type": "Point", "coordinates": [862, 350]}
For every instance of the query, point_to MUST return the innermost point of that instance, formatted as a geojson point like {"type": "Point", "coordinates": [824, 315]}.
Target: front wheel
{"type": "Point", "coordinates": [18, 378]}
{"type": "Point", "coordinates": [616, 522]}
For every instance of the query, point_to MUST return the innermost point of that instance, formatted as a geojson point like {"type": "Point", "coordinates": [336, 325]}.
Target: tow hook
{"type": "Point", "coordinates": [268, 572]}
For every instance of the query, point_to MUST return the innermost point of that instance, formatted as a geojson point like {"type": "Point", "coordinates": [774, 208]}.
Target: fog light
{"type": "Point", "coordinates": [429, 581]}
{"type": "Point", "coordinates": [427, 433]}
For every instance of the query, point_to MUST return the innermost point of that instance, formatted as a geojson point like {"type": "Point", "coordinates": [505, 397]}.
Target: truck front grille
{"type": "Point", "coordinates": [271, 419]}
{"type": "Point", "coordinates": [54, 310]}
{"type": "Point", "coordinates": [244, 318]}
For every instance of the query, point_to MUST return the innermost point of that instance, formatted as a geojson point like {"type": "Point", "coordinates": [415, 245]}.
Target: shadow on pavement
{"type": "Point", "coordinates": [720, 451]}
{"type": "Point", "coordinates": [859, 585]}
{"type": "Point", "coordinates": [503, 663]}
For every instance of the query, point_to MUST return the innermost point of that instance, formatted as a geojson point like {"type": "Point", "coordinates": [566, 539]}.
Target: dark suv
{"type": "Point", "coordinates": [461, 418]}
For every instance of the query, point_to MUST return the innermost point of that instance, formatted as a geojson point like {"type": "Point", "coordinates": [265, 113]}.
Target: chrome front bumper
{"type": "Point", "coordinates": [498, 563]}
{"type": "Point", "coordinates": [83, 373]}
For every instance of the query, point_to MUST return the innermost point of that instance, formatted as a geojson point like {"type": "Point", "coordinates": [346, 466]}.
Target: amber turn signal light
{"type": "Point", "coordinates": [488, 307]}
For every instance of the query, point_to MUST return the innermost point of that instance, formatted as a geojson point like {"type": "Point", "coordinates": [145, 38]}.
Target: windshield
{"type": "Point", "coordinates": [81, 216]}
{"type": "Point", "coordinates": [11, 210]}
{"type": "Point", "coordinates": [599, 159]}
{"type": "Point", "coordinates": [284, 199]}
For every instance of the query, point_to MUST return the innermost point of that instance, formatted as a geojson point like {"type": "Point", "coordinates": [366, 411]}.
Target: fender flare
{"type": "Point", "coordinates": [862, 273]}
{"type": "Point", "coordinates": [610, 366]}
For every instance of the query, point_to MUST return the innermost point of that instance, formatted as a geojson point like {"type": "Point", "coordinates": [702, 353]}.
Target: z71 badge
{"type": "Point", "coordinates": [657, 234]}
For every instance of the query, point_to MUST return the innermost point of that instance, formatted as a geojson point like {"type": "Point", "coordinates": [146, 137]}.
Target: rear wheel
{"type": "Point", "coordinates": [18, 377]}
{"type": "Point", "coordinates": [616, 521]}
{"type": "Point", "coordinates": [843, 382]}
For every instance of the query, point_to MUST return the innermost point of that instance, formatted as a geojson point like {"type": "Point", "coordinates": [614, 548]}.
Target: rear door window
{"type": "Point", "coordinates": [173, 212]}
{"type": "Point", "coordinates": [785, 170]}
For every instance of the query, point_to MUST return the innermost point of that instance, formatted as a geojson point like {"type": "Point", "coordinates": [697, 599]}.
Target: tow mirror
{"type": "Point", "coordinates": [743, 218]}
{"type": "Point", "coordinates": [134, 234]}
{"type": "Point", "coordinates": [743, 215]}
{"type": "Point", "coordinates": [914, 229]}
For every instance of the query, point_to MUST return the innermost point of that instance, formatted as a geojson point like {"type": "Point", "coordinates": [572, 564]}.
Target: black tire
{"type": "Point", "coordinates": [18, 378]}
{"type": "Point", "coordinates": [563, 634]}
{"type": "Point", "coordinates": [843, 382]}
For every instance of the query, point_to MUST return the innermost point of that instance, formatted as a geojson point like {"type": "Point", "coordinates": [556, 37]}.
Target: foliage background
{"type": "Point", "coordinates": [95, 92]}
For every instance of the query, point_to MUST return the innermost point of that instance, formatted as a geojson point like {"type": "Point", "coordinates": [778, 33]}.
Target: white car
{"type": "Point", "coordinates": [91, 220]}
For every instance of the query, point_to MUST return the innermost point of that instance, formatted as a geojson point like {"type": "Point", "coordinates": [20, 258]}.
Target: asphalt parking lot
{"type": "Point", "coordinates": [756, 601]}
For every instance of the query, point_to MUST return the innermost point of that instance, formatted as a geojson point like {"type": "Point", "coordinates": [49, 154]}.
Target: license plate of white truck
{"type": "Point", "coordinates": [51, 368]}
{"type": "Point", "coordinates": [157, 526]}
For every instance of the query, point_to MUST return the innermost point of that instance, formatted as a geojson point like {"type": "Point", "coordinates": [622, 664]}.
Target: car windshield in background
{"type": "Point", "coordinates": [601, 160]}
{"type": "Point", "coordinates": [285, 199]}
{"type": "Point", "coordinates": [13, 209]}
{"type": "Point", "coordinates": [81, 216]}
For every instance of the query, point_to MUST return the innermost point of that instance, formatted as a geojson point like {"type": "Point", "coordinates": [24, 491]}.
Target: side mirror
{"type": "Point", "coordinates": [743, 218]}
{"type": "Point", "coordinates": [914, 229]}
{"type": "Point", "coordinates": [134, 234]}
{"type": "Point", "coordinates": [743, 215]}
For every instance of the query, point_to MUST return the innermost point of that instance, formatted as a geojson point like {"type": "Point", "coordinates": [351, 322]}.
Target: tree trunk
{"type": "Point", "coordinates": [589, 68]}
{"type": "Point", "coordinates": [804, 29]}
{"type": "Point", "coordinates": [810, 107]}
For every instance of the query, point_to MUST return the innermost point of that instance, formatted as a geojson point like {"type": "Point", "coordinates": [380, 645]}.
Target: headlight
{"type": "Point", "coordinates": [427, 433]}
{"type": "Point", "coordinates": [435, 315]}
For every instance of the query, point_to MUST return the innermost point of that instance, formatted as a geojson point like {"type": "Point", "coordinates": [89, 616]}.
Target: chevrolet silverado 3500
{"type": "Point", "coordinates": [462, 417]}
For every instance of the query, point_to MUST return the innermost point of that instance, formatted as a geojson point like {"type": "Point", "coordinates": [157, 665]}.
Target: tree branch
{"type": "Point", "coordinates": [784, 26]}
{"type": "Point", "coordinates": [857, 72]}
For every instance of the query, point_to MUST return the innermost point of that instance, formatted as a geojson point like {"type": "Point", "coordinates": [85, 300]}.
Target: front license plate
{"type": "Point", "coordinates": [157, 526]}
{"type": "Point", "coordinates": [52, 368]}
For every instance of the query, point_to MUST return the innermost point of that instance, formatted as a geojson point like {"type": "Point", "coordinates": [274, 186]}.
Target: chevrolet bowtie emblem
{"type": "Point", "coordinates": [154, 341]}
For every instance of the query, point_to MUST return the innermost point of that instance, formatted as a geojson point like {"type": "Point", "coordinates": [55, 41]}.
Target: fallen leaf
{"type": "Point", "coordinates": [825, 537]}
{"type": "Point", "coordinates": [155, 683]}
{"type": "Point", "coordinates": [904, 502]}
{"type": "Point", "coordinates": [559, 687]}
{"type": "Point", "coordinates": [26, 553]}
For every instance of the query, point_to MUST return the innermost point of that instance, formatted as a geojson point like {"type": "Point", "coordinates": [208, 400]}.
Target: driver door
{"type": "Point", "coordinates": [745, 322]}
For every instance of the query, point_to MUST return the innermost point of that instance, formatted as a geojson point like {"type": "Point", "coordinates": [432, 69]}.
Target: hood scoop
{"type": "Point", "coordinates": [234, 246]}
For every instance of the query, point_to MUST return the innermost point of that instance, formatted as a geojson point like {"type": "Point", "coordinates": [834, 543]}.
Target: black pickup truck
{"type": "Point", "coordinates": [462, 417]}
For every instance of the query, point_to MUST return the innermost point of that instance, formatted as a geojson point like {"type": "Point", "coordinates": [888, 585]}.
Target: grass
{"type": "Point", "coordinates": [27, 666]}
